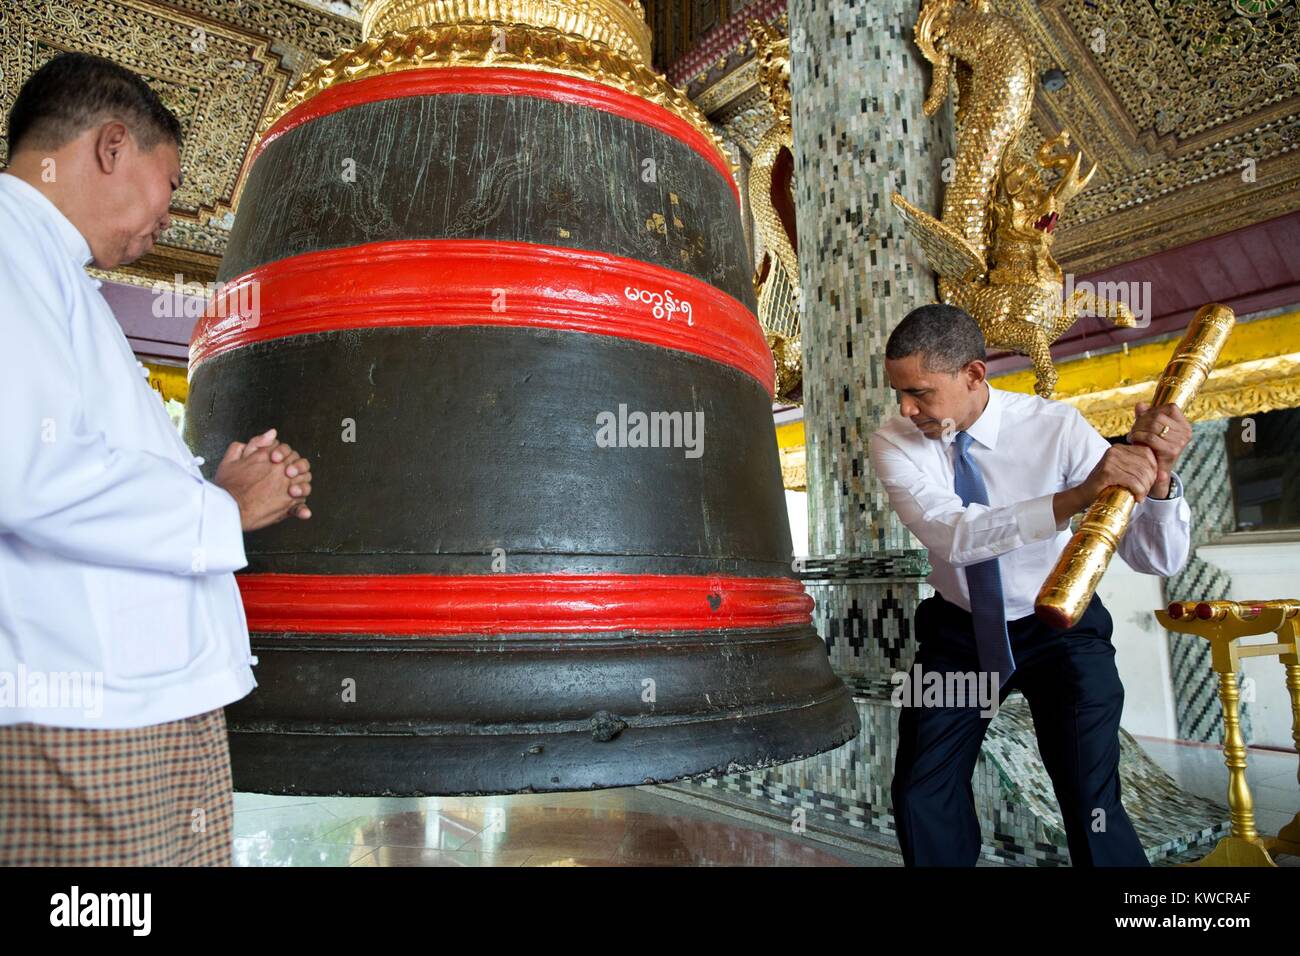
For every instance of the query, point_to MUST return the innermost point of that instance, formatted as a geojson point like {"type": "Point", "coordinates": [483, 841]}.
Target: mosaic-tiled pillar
{"type": "Point", "coordinates": [857, 84]}
{"type": "Point", "coordinates": [1203, 470]}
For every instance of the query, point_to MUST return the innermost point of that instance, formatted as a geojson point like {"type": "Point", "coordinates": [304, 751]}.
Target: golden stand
{"type": "Point", "coordinates": [1224, 624]}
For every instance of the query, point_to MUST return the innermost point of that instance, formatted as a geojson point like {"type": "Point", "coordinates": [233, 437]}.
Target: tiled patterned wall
{"type": "Point", "coordinates": [864, 610]}
{"type": "Point", "coordinates": [867, 626]}
{"type": "Point", "coordinates": [1204, 473]}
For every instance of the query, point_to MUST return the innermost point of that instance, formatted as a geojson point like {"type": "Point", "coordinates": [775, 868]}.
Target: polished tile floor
{"type": "Point", "coordinates": [1270, 774]}
{"type": "Point", "coordinates": [633, 826]}
{"type": "Point", "coordinates": [626, 827]}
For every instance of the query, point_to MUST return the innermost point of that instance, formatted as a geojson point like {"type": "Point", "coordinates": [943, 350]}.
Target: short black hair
{"type": "Point", "coordinates": [947, 338]}
{"type": "Point", "coordinates": [75, 90]}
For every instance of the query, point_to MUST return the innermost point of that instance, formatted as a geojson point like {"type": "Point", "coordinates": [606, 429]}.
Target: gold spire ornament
{"type": "Point", "coordinates": [992, 249]}
{"type": "Point", "coordinates": [1070, 586]}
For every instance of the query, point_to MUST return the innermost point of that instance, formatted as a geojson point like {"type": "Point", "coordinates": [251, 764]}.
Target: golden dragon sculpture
{"type": "Point", "coordinates": [771, 201]}
{"type": "Point", "coordinates": [992, 249]}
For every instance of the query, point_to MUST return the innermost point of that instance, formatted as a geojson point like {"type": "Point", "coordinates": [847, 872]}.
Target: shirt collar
{"type": "Point", "coordinates": [70, 236]}
{"type": "Point", "coordinates": [985, 428]}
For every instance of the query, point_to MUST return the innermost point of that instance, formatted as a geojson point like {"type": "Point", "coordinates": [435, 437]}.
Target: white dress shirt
{"type": "Point", "coordinates": [115, 554]}
{"type": "Point", "coordinates": [1027, 449]}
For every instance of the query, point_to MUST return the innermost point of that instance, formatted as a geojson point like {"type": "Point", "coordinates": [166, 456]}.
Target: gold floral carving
{"type": "Point", "coordinates": [1259, 371]}
{"type": "Point", "coordinates": [486, 44]}
{"type": "Point", "coordinates": [617, 24]}
{"type": "Point", "coordinates": [735, 84]}
{"type": "Point", "coordinates": [1244, 388]}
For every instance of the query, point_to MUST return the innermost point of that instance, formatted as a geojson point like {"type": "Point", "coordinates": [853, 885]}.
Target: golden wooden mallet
{"type": "Point", "coordinates": [1070, 585]}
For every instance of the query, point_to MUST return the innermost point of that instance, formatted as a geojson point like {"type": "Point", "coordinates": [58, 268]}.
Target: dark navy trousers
{"type": "Point", "coordinates": [1075, 696]}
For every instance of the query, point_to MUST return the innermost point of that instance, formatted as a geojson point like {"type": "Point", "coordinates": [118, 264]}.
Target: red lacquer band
{"type": "Point", "coordinates": [452, 282]}
{"type": "Point", "coordinates": [517, 603]}
{"type": "Point", "coordinates": [501, 81]}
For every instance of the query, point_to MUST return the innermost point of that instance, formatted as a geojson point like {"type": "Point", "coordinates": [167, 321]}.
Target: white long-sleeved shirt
{"type": "Point", "coordinates": [1027, 449]}
{"type": "Point", "coordinates": [115, 554]}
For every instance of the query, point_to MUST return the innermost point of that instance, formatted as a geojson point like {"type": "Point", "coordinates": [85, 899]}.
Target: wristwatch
{"type": "Point", "coordinates": [1175, 487]}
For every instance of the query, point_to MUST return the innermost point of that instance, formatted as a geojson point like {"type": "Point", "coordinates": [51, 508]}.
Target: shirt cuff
{"type": "Point", "coordinates": [1174, 508]}
{"type": "Point", "coordinates": [1164, 510]}
{"type": "Point", "coordinates": [221, 535]}
{"type": "Point", "coordinates": [1036, 520]}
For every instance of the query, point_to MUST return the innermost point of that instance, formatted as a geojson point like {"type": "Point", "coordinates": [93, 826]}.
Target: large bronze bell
{"type": "Point", "coordinates": [492, 281]}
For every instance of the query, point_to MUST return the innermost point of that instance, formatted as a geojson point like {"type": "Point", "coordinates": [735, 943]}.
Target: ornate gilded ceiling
{"type": "Point", "coordinates": [1191, 108]}
{"type": "Point", "coordinates": [220, 65]}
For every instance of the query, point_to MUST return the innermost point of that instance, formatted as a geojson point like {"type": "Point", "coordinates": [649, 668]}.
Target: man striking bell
{"type": "Point", "coordinates": [988, 480]}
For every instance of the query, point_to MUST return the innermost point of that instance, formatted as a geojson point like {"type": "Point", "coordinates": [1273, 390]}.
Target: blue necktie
{"type": "Point", "coordinates": [983, 580]}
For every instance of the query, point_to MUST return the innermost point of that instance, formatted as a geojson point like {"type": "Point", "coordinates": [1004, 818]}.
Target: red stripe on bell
{"type": "Point", "coordinates": [500, 81]}
{"type": "Point", "coordinates": [517, 603]}
{"type": "Point", "coordinates": [477, 282]}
